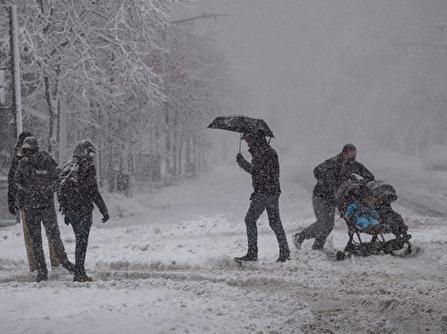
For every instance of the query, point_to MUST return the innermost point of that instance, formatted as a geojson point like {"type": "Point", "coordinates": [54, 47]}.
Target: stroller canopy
{"type": "Point", "coordinates": [351, 190]}
{"type": "Point", "coordinates": [354, 190]}
{"type": "Point", "coordinates": [385, 193]}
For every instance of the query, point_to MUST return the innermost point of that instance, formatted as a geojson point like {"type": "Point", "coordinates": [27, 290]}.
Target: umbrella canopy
{"type": "Point", "coordinates": [241, 124]}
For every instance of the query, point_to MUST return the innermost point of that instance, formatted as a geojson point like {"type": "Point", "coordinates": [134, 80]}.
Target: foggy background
{"type": "Point", "coordinates": [326, 72]}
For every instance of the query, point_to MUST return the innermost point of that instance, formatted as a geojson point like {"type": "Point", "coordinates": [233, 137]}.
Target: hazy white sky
{"type": "Point", "coordinates": [325, 69]}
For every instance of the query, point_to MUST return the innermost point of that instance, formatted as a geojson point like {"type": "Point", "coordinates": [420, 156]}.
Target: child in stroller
{"type": "Point", "coordinates": [363, 215]}
{"type": "Point", "coordinates": [366, 208]}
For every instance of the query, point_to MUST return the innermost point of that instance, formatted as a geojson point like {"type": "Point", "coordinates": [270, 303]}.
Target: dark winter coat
{"type": "Point", "coordinates": [333, 172]}
{"type": "Point", "coordinates": [12, 190]}
{"type": "Point", "coordinates": [264, 169]}
{"type": "Point", "coordinates": [35, 180]}
{"type": "Point", "coordinates": [82, 170]}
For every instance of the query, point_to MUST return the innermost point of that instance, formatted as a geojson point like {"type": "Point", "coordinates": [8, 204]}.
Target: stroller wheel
{"type": "Point", "coordinates": [340, 256]}
{"type": "Point", "coordinates": [404, 251]}
{"type": "Point", "coordinates": [388, 248]}
{"type": "Point", "coordinates": [364, 250]}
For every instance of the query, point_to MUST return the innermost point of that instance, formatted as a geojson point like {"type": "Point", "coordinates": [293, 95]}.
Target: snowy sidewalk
{"type": "Point", "coordinates": [165, 266]}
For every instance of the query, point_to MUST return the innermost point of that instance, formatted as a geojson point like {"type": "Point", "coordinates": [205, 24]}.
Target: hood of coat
{"type": "Point", "coordinates": [84, 155]}
{"type": "Point", "coordinates": [259, 147]}
{"type": "Point", "coordinates": [84, 150]}
{"type": "Point", "coordinates": [30, 146]}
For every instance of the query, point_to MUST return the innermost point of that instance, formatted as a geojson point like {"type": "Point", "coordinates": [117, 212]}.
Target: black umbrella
{"type": "Point", "coordinates": [241, 124]}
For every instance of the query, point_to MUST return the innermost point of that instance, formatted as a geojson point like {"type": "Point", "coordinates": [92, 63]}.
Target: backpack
{"type": "Point", "coordinates": [69, 191]}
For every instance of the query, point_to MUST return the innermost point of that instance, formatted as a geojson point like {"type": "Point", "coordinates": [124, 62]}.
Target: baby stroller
{"type": "Point", "coordinates": [390, 222]}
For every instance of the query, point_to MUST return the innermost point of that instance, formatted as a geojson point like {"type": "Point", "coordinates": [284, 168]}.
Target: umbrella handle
{"type": "Point", "coordinates": [240, 143]}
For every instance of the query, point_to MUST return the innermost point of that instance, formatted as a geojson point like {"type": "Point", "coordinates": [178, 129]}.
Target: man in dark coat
{"type": "Point", "coordinates": [330, 175]}
{"type": "Point", "coordinates": [57, 251]}
{"type": "Point", "coordinates": [78, 192]}
{"type": "Point", "coordinates": [264, 170]}
{"type": "Point", "coordinates": [12, 191]}
{"type": "Point", "coordinates": [35, 182]}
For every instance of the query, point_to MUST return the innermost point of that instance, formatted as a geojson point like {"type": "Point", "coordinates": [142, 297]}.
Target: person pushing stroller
{"type": "Point", "coordinates": [330, 175]}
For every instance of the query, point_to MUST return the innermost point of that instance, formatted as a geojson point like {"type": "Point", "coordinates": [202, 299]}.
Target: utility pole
{"type": "Point", "coordinates": [15, 69]}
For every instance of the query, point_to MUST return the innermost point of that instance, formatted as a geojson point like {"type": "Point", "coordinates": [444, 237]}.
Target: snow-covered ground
{"type": "Point", "coordinates": [164, 265]}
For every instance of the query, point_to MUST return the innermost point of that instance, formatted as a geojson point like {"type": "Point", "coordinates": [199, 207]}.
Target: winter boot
{"type": "Point", "coordinates": [41, 276]}
{"type": "Point", "coordinates": [283, 256]}
{"type": "Point", "coordinates": [247, 258]}
{"type": "Point", "coordinates": [82, 278]}
{"type": "Point", "coordinates": [318, 244]}
{"type": "Point", "coordinates": [298, 240]}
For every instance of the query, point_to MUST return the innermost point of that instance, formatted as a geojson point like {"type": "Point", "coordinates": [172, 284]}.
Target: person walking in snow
{"type": "Point", "coordinates": [264, 170]}
{"type": "Point", "coordinates": [330, 175]}
{"type": "Point", "coordinates": [57, 250]}
{"type": "Point", "coordinates": [35, 182]}
{"type": "Point", "coordinates": [77, 193]}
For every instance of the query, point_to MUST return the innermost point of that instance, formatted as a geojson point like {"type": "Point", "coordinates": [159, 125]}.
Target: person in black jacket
{"type": "Point", "coordinates": [57, 250]}
{"type": "Point", "coordinates": [12, 191]}
{"type": "Point", "coordinates": [78, 191]}
{"type": "Point", "coordinates": [330, 175]}
{"type": "Point", "coordinates": [35, 182]}
{"type": "Point", "coordinates": [264, 170]}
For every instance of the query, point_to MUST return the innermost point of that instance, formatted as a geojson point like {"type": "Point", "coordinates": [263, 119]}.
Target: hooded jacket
{"type": "Point", "coordinates": [81, 169]}
{"type": "Point", "coordinates": [12, 191]}
{"type": "Point", "coordinates": [36, 178]}
{"type": "Point", "coordinates": [264, 168]}
{"type": "Point", "coordinates": [333, 172]}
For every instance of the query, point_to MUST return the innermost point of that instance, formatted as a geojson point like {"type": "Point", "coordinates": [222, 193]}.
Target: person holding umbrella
{"type": "Point", "coordinates": [264, 170]}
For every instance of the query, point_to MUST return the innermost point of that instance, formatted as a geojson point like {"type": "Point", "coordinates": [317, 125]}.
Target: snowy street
{"type": "Point", "coordinates": [164, 265]}
{"type": "Point", "coordinates": [162, 129]}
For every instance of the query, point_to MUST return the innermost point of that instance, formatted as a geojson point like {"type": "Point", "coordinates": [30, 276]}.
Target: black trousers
{"type": "Point", "coordinates": [47, 216]}
{"type": "Point", "coordinates": [81, 227]}
{"type": "Point", "coordinates": [325, 213]}
{"type": "Point", "coordinates": [259, 203]}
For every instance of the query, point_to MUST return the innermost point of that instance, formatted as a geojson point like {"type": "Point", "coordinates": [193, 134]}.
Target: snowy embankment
{"type": "Point", "coordinates": [164, 265]}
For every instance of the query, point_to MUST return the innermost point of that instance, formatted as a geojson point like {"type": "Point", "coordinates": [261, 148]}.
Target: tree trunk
{"type": "Point", "coordinates": [51, 112]}
{"type": "Point", "coordinates": [168, 144]}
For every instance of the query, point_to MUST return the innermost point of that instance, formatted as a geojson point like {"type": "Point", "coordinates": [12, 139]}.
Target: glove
{"type": "Point", "coordinates": [105, 217]}
{"type": "Point", "coordinates": [12, 210]}
{"type": "Point", "coordinates": [239, 158]}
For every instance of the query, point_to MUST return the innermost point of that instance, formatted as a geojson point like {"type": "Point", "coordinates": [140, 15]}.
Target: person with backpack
{"type": "Point", "coordinates": [77, 193]}
{"type": "Point", "coordinates": [35, 182]}
{"type": "Point", "coordinates": [58, 256]}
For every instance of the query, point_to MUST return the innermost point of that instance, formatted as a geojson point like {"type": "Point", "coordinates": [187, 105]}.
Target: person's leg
{"type": "Point", "coordinates": [28, 242]}
{"type": "Point", "coordinates": [33, 218]}
{"type": "Point", "coordinates": [81, 228]}
{"type": "Point", "coordinates": [54, 239]}
{"type": "Point", "coordinates": [321, 228]}
{"type": "Point", "coordinates": [276, 225]}
{"type": "Point", "coordinates": [257, 207]}
{"type": "Point", "coordinates": [325, 213]}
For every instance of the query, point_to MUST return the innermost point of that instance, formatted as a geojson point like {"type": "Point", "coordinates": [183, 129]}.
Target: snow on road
{"type": "Point", "coordinates": [164, 265]}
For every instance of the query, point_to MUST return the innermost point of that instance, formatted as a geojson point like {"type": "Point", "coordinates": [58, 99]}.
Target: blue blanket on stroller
{"type": "Point", "coordinates": [362, 216]}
